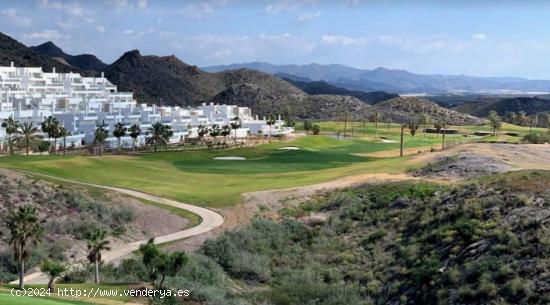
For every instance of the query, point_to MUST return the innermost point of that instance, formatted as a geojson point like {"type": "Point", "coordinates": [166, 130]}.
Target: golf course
{"type": "Point", "coordinates": [199, 178]}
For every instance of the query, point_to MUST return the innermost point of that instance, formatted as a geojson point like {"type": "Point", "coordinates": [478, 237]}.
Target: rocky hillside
{"type": "Point", "coordinates": [322, 87]}
{"type": "Point", "coordinates": [85, 62]}
{"type": "Point", "coordinates": [168, 80]}
{"type": "Point", "coordinates": [403, 109]}
{"type": "Point", "coordinates": [70, 213]}
{"type": "Point", "coordinates": [482, 107]}
{"type": "Point", "coordinates": [300, 105]}
{"type": "Point", "coordinates": [13, 51]}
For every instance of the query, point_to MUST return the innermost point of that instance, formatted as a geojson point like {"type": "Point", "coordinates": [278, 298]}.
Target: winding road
{"type": "Point", "coordinates": [210, 220]}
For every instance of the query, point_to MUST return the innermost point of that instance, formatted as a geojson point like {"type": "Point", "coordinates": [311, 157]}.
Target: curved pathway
{"type": "Point", "coordinates": [210, 220]}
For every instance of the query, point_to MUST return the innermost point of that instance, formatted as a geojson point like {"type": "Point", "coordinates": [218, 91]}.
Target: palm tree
{"type": "Point", "coordinates": [63, 133]}
{"type": "Point", "coordinates": [167, 134]}
{"type": "Point", "coordinates": [270, 122]}
{"type": "Point", "coordinates": [11, 126]}
{"type": "Point", "coordinates": [135, 131]}
{"type": "Point", "coordinates": [156, 135]}
{"type": "Point", "coordinates": [97, 242]}
{"type": "Point", "coordinates": [202, 131]}
{"type": "Point", "coordinates": [100, 136]}
{"type": "Point", "coordinates": [53, 270]}
{"type": "Point", "coordinates": [226, 130]}
{"type": "Point", "coordinates": [495, 121]}
{"type": "Point", "coordinates": [376, 117]}
{"type": "Point", "coordinates": [119, 132]}
{"type": "Point", "coordinates": [27, 136]}
{"type": "Point", "coordinates": [51, 127]}
{"type": "Point", "coordinates": [236, 124]}
{"type": "Point", "coordinates": [25, 231]}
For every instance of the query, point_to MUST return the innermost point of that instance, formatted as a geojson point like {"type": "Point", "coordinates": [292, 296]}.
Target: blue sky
{"type": "Point", "coordinates": [485, 38]}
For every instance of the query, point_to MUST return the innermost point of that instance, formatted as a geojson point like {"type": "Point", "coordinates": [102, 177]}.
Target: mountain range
{"type": "Point", "coordinates": [85, 62]}
{"type": "Point", "coordinates": [395, 81]}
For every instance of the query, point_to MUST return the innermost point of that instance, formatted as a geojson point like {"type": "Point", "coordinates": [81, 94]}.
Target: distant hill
{"type": "Point", "coordinates": [403, 109]}
{"type": "Point", "coordinates": [397, 81]}
{"type": "Point", "coordinates": [481, 107]}
{"type": "Point", "coordinates": [13, 51]}
{"type": "Point", "coordinates": [85, 62]}
{"type": "Point", "coordinates": [322, 87]}
{"type": "Point", "coordinates": [153, 78]}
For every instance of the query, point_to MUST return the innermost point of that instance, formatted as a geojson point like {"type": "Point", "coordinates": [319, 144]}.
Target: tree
{"type": "Point", "coordinates": [135, 131]}
{"type": "Point", "coordinates": [96, 243]}
{"type": "Point", "coordinates": [11, 126]}
{"type": "Point", "coordinates": [51, 127]}
{"type": "Point", "coordinates": [25, 231]}
{"type": "Point", "coordinates": [214, 131]}
{"type": "Point", "coordinates": [63, 133]}
{"type": "Point", "coordinates": [119, 132]}
{"type": "Point", "coordinates": [270, 122]}
{"type": "Point", "coordinates": [226, 130]}
{"type": "Point", "coordinates": [156, 135]}
{"type": "Point", "coordinates": [202, 131]}
{"type": "Point", "coordinates": [160, 263]}
{"type": "Point", "coordinates": [522, 119]}
{"type": "Point", "coordinates": [375, 118]}
{"type": "Point", "coordinates": [53, 270]}
{"type": "Point", "coordinates": [316, 129]}
{"type": "Point", "coordinates": [413, 126]}
{"type": "Point", "coordinates": [308, 126]}
{"type": "Point", "coordinates": [495, 121]}
{"type": "Point", "coordinates": [401, 141]}
{"type": "Point", "coordinates": [345, 117]}
{"type": "Point", "coordinates": [424, 121]}
{"type": "Point", "coordinates": [167, 133]}
{"type": "Point", "coordinates": [235, 125]}
{"type": "Point", "coordinates": [100, 135]}
{"type": "Point", "coordinates": [27, 136]}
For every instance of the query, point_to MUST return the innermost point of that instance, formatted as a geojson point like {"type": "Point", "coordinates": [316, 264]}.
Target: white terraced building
{"type": "Point", "coordinates": [81, 104]}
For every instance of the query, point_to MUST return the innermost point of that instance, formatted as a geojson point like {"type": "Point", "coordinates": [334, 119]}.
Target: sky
{"type": "Point", "coordinates": [482, 38]}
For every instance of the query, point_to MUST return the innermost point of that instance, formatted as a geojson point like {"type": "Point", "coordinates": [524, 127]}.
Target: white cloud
{"type": "Point", "coordinates": [100, 28]}
{"type": "Point", "coordinates": [142, 3]}
{"type": "Point", "coordinates": [127, 4]}
{"type": "Point", "coordinates": [479, 36]}
{"type": "Point", "coordinates": [127, 32]}
{"type": "Point", "coordinates": [287, 5]}
{"type": "Point", "coordinates": [72, 9]}
{"type": "Point", "coordinates": [343, 40]}
{"type": "Point", "coordinates": [203, 9]}
{"type": "Point", "coordinates": [216, 49]}
{"type": "Point", "coordinates": [11, 15]}
{"type": "Point", "coordinates": [46, 35]}
{"type": "Point", "coordinates": [308, 16]}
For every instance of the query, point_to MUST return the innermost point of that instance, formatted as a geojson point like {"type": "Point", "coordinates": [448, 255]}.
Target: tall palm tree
{"type": "Point", "coordinates": [226, 130]}
{"type": "Point", "coordinates": [11, 126]}
{"type": "Point", "coordinates": [135, 131]}
{"type": "Point", "coordinates": [235, 125]}
{"type": "Point", "coordinates": [97, 242]}
{"type": "Point", "coordinates": [376, 117]}
{"type": "Point", "coordinates": [156, 135]}
{"type": "Point", "coordinates": [25, 231]}
{"type": "Point", "coordinates": [119, 132]}
{"type": "Point", "coordinates": [270, 122]}
{"type": "Point", "coordinates": [202, 131]}
{"type": "Point", "coordinates": [167, 133]}
{"type": "Point", "coordinates": [51, 127]}
{"type": "Point", "coordinates": [28, 136]}
{"type": "Point", "coordinates": [63, 133]}
{"type": "Point", "coordinates": [100, 135]}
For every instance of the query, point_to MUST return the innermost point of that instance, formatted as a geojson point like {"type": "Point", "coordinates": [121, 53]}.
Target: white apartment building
{"type": "Point", "coordinates": [81, 104]}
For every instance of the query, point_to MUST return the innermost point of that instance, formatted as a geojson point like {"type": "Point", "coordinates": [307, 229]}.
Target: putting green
{"type": "Point", "coordinates": [195, 177]}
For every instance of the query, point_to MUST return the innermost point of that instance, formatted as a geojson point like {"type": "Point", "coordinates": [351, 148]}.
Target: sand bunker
{"type": "Point", "coordinates": [388, 141]}
{"type": "Point", "coordinates": [289, 148]}
{"type": "Point", "coordinates": [230, 158]}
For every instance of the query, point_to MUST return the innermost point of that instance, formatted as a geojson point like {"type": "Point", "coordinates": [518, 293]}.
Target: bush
{"type": "Point", "coordinates": [537, 138]}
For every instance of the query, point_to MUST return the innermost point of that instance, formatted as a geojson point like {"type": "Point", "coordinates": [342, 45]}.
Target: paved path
{"type": "Point", "coordinates": [210, 220]}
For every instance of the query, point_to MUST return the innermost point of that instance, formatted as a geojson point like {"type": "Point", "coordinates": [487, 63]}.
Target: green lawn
{"type": "Point", "coordinates": [7, 299]}
{"type": "Point", "coordinates": [196, 178]}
